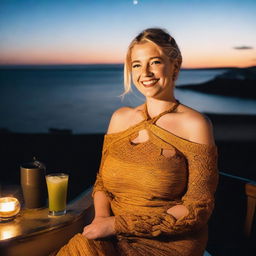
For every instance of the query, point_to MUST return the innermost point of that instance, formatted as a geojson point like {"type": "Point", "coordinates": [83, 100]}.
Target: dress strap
{"type": "Point", "coordinates": [155, 118]}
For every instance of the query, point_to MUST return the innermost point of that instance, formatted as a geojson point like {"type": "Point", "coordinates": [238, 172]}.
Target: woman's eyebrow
{"type": "Point", "coordinates": [155, 57]}
{"type": "Point", "coordinates": [135, 61]}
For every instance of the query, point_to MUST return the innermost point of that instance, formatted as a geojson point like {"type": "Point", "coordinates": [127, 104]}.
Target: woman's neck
{"type": "Point", "coordinates": [156, 106]}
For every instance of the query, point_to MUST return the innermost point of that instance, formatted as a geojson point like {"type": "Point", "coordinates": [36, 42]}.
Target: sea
{"type": "Point", "coordinates": [81, 98]}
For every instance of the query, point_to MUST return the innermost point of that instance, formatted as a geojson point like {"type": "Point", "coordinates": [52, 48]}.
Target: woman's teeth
{"type": "Point", "coordinates": [149, 83]}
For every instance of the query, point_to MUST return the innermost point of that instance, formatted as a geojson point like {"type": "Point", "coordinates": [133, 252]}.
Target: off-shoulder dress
{"type": "Point", "coordinates": [143, 180]}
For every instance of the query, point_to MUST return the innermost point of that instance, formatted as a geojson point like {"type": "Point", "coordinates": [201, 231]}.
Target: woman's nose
{"type": "Point", "coordinates": [146, 71]}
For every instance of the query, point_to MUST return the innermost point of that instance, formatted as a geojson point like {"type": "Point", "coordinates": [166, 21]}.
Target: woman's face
{"type": "Point", "coordinates": [152, 71]}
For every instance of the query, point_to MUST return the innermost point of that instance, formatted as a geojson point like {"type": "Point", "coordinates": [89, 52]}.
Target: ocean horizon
{"type": "Point", "coordinates": [82, 98]}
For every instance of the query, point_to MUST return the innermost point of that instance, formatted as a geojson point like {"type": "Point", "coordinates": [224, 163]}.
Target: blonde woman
{"type": "Point", "coordinates": [154, 191]}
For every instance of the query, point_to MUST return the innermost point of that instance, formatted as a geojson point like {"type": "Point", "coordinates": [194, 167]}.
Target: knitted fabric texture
{"type": "Point", "coordinates": [141, 183]}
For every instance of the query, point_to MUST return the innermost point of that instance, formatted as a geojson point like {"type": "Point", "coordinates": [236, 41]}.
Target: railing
{"type": "Point", "coordinates": [238, 178]}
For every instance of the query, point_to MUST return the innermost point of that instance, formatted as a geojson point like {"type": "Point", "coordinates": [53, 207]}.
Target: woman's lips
{"type": "Point", "coordinates": [149, 83]}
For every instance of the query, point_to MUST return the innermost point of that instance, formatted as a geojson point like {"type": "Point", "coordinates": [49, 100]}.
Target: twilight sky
{"type": "Point", "coordinates": [210, 33]}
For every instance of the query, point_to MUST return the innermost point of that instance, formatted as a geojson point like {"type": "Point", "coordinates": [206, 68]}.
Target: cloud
{"type": "Point", "coordinates": [243, 47]}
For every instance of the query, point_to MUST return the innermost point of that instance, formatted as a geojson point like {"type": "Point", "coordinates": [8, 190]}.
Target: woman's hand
{"type": "Point", "coordinates": [99, 219]}
{"type": "Point", "coordinates": [178, 211]}
{"type": "Point", "coordinates": [100, 227]}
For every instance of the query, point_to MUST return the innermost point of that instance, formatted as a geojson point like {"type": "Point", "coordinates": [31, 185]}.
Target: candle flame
{"type": "Point", "coordinates": [9, 206]}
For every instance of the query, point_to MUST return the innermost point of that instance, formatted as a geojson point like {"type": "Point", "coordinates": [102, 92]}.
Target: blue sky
{"type": "Point", "coordinates": [99, 31]}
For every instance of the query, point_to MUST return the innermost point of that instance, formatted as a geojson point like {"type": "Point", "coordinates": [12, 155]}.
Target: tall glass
{"type": "Point", "coordinates": [57, 185]}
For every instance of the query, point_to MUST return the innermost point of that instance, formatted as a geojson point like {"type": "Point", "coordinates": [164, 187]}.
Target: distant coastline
{"type": "Point", "coordinates": [235, 82]}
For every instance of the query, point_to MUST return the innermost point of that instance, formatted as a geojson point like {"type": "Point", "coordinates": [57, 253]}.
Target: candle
{"type": "Point", "coordinates": [9, 208]}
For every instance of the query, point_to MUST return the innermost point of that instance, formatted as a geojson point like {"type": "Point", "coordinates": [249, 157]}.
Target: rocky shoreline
{"type": "Point", "coordinates": [236, 82]}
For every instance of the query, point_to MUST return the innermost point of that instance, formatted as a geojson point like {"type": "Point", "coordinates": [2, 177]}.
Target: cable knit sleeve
{"type": "Point", "coordinates": [99, 185]}
{"type": "Point", "coordinates": [198, 198]}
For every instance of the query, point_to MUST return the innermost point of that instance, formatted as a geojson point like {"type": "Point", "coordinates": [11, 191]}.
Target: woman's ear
{"type": "Point", "coordinates": [175, 71]}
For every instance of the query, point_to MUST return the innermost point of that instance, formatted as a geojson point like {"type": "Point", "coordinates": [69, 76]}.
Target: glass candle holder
{"type": "Point", "coordinates": [9, 208]}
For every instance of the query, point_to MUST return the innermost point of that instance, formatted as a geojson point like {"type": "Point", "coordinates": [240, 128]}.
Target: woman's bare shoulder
{"type": "Point", "coordinates": [193, 125]}
{"type": "Point", "coordinates": [198, 126]}
{"type": "Point", "coordinates": [123, 118]}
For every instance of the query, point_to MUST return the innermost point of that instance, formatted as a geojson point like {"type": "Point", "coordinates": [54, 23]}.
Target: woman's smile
{"type": "Point", "coordinates": [149, 83]}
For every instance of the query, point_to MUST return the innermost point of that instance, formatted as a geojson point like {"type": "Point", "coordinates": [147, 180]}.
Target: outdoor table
{"type": "Point", "coordinates": [32, 232]}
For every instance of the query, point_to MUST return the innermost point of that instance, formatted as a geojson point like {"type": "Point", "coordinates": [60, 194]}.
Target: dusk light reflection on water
{"type": "Point", "coordinates": [33, 101]}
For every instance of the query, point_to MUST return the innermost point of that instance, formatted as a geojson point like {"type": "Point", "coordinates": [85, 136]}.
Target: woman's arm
{"type": "Point", "coordinates": [101, 196]}
{"type": "Point", "coordinates": [101, 205]}
{"type": "Point", "coordinates": [103, 223]}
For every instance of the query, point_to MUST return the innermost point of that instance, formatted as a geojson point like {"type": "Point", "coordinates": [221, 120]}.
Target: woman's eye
{"type": "Point", "coordinates": [156, 62]}
{"type": "Point", "coordinates": [135, 65]}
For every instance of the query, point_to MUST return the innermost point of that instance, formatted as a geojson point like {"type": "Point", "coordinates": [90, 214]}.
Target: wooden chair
{"type": "Point", "coordinates": [250, 189]}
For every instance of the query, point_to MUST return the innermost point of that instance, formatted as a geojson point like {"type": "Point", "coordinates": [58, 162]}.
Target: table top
{"type": "Point", "coordinates": [30, 222]}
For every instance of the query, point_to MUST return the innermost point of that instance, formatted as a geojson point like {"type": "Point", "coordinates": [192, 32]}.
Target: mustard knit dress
{"type": "Point", "coordinates": [142, 182]}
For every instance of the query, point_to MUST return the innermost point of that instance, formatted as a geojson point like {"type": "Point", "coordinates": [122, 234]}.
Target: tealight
{"type": "Point", "coordinates": [9, 208]}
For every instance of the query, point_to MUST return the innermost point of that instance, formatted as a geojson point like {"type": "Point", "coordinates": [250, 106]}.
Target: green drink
{"type": "Point", "coordinates": [57, 184]}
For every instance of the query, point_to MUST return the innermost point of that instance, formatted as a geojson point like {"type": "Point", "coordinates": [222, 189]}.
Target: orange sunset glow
{"type": "Point", "coordinates": [99, 32]}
